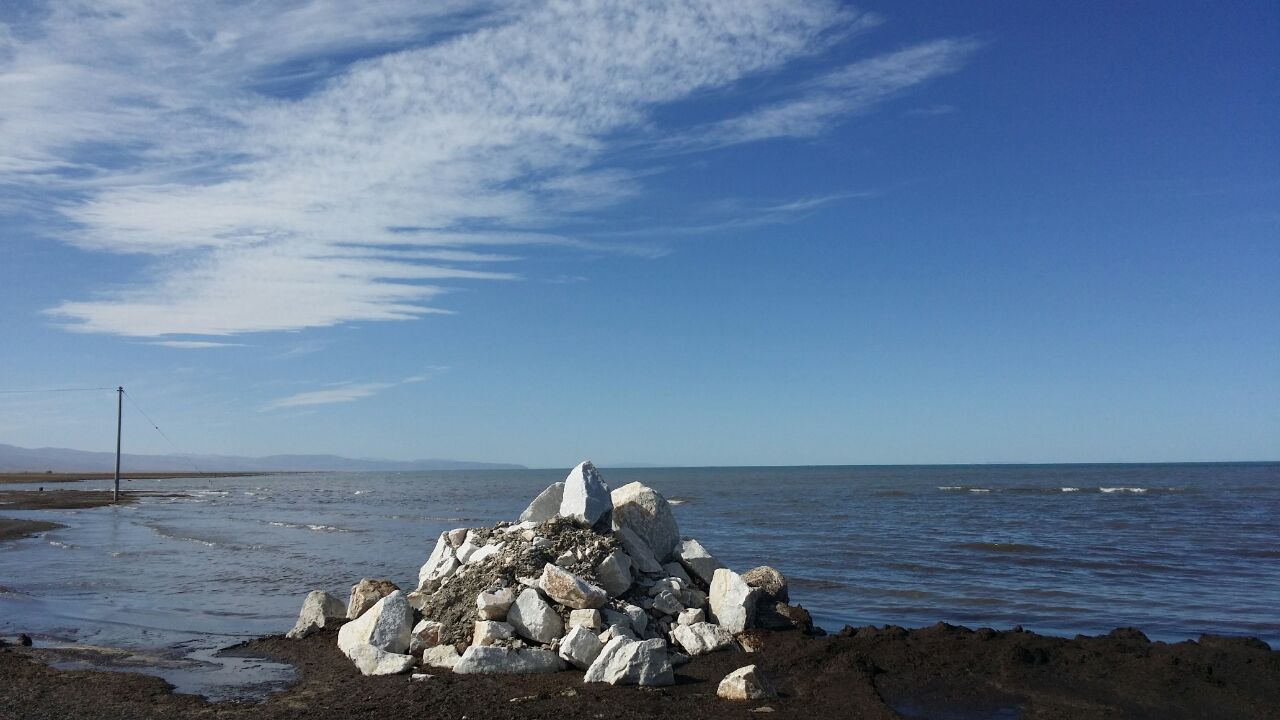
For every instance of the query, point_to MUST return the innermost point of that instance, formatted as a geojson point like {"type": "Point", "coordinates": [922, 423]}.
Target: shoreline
{"type": "Point", "coordinates": [18, 528]}
{"type": "Point", "coordinates": [886, 672]}
{"type": "Point", "coordinates": [30, 478]}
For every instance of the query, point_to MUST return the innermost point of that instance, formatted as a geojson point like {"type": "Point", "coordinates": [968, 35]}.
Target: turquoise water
{"type": "Point", "coordinates": [1175, 550]}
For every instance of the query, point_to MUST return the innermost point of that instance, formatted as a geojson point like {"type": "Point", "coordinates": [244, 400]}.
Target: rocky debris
{"type": "Point", "coordinates": [365, 593]}
{"type": "Point", "coordinates": [489, 632]}
{"type": "Point", "coordinates": [580, 647]}
{"type": "Point", "coordinates": [420, 677]}
{"type": "Point", "coordinates": [494, 604]}
{"type": "Point", "coordinates": [441, 656]}
{"type": "Point", "coordinates": [587, 578]}
{"type": "Point", "coordinates": [702, 638]}
{"type": "Point", "coordinates": [772, 615]}
{"type": "Point", "coordinates": [318, 607]}
{"type": "Point", "coordinates": [586, 499]}
{"type": "Point", "coordinates": [771, 584]}
{"type": "Point", "coordinates": [733, 601]}
{"type": "Point", "coordinates": [745, 684]}
{"type": "Point", "coordinates": [644, 511]}
{"type": "Point", "coordinates": [632, 662]}
{"type": "Point", "coordinates": [570, 590]}
{"type": "Point", "coordinates": [534, 619]}
{"type": "Point", "coordinates": [697, 560]}
{"type": "Point", "coordinates": [424, 635]}
{"type": "Point", "coordinates": [545, 506]}
{"type": "Point", "coordinates": [500, 660]}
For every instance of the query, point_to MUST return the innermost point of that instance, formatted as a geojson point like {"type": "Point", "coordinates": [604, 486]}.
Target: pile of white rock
{"type": "Point", "coordinates": [586, 578]}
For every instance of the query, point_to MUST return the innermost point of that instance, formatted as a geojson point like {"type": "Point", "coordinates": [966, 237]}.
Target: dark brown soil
{"type": "Point", "coordinates": [938, 672]}
{"type": "Point", "coordinates": [58, 499]}
{"type": "Point", "coordinates": [40, 477]}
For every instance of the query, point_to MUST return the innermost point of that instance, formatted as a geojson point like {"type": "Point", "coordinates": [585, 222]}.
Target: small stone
{"type": "Point", "coordinates": [488, 632]}
{"type": "Point", "coordinates": [702, 638]}
{"type": "Point", "coordinates": [580, 647]}
{"type": "Point", "coordinates": [700, 563]}
{"type": "Point", "coordinates": [441, 656]}
{"type": "Point", "coordinates": [771, 584]}
{"type": "Point", "coordinates": [372, 660]}
{"type": "Point", "coordinates": [500, 660]}
{"type": "Point", "coordinates": [676, 570]}
{"type": "Point", "coordinates": [761, 709]}
{"type": "Point", "coordinates": [691, 616]}
{"type": "Point", "coordinates": [570, 590]}
{"type": "Point", "coordinates": [425, 634]}
{"type": "Point", "coordinates": [494, 604]}
{"type": "Point", "coordinates": [534, 619]}
{"type": "Point", "coordinates": [545, 506]}
{"type": "Point", "coordinates": [587, 618]}
{"type": "Point", "coordinates": [483, 553]}
{"type": "Point", "coordinates": [318, 607]}
{"type": "Point", "coordinates": [614, 573]}
{"type": "Point", "coordinates": [566, 558]}
{"type": "Point", "coordinates": [420, 677]}
{"type": "Point", "coordinates": [366, 593]}
{"type": "Point", "coordinates": [541, 543]}
{"type": "Point", "coordinates": [667, 604]}
{"type": "Point", "coordinates": [586, 499]}
{"type": "Point", "coordinates": [744, 684]}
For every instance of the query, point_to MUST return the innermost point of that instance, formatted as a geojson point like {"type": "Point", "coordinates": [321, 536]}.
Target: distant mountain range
{"type": "Point", "coordinates": [19, 459]}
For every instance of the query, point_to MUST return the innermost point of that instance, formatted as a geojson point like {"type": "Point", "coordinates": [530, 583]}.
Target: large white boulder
{"type": "Point", "coordinates": [744, 684]}
{"type": "Point", "coordinates": [586, 498]}
{"type": "Point", "coordinates": [732, 600]}
{"type": "Point", "coordinates": [318, 607]}
{"type": "Point", "coordinates": [697, 560]}
{"type": "Point", "coordinates": [439, 565]}
{"type": "Point", "coordinates": [388, 625]}
{"type": "Point", "coordinates": [632, 662]}
{"type": "Point", "coordinates": [365, 593]}
{"type": "Point", "coordinates": [494, 604]}
{"type": "Point", "coordinates": [614, 573]}
{"type": "Point", "coordinates": [534, 619]}
{"type": "Point", "coordinates": [638, 550]}
{"type": "Point", "coordinates": [500, 660]}
{"type": "Point", "coordinates": [644, 511]}
{"type": "Point", "coordinates": [545, 506]}
{"type": "Point", "coordinates": [570, 590]}
{"type": "Point", "coordinates": [702, 638]}
{"type": "Point", "coordinates": [580, 647]}
{"type": "Point", "coordinates": [441, 656]}
{"type": "Point", "coordinates": [372, 660]}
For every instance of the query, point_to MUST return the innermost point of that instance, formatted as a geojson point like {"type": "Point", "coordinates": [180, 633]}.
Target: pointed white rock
{"type": "Point", "coordinates": [744, 684]}
{"type": "Point", "coordinates": [439, 565]}
{"type": "Point", "coordinates": [545, 506]}
{"type": "Point", "coordinates": [586, 498]}
{"type": "Point", "coordinates": [697, 560]}
{"type": "Point", "coordinates": [318, 607]}
{"type": "Point", "coordinates": [388, 625]}
{"type": "Point", "coordinates": [732, 600]}
{"type": "Point", "coordinates": [580, 647]}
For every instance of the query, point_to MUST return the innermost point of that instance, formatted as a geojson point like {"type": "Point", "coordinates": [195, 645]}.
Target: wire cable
{"type": "Point", "coordinates": [157, 428]}
{"type": "Point", "coordinates": [54, 390]}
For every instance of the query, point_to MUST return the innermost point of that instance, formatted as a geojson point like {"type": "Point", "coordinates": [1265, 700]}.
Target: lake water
{"type": "Point", "coordinates": [1175, 550]}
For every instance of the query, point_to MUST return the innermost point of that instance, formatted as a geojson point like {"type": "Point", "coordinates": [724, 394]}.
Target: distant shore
{"type": "Point", "coordinates": [66, 477]}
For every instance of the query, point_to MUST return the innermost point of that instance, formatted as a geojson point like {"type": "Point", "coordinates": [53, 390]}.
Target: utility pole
{"type": "Point", "coordinates": [115, 496]}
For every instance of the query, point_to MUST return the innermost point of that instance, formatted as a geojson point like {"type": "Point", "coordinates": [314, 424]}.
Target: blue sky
{"type": "Point", "coordinates": [750, 232]}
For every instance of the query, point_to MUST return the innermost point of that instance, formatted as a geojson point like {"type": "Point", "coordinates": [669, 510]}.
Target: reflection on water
{"type": "Point", "coordinates": [1058, 549]}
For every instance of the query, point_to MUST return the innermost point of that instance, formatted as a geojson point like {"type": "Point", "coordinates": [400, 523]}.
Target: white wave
{"type": "Point", "coordinates": [211, 492]}
{"type": "Point", "coordinates": [1070, 489]}
{"type": "Point", "coordinates": [62, 545]}
{"type": "Point", "coordinates": [980, 490]}
{"type": "Point", "coordinates": [308, 526]}
{"type": "Point", "coordinates": [950, 487]}
{"type": "Point", "coordinates": [1122, 489]}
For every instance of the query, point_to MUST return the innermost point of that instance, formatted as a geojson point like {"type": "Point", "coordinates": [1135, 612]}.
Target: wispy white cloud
{"type": "Point", "coordinates": [193, 344]}
{"type": "Point", "coordinates": [844, 92]}
{"type": "Point", "coordinates": [347, 391]}
{"type": "Point", "coordinates": [299, 164]}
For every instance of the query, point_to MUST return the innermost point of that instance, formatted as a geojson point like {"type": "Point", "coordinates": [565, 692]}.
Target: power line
{"type": "Point", "coordinates": [54, 390]}
{"type": "Point", "coordinates": [166, 437]}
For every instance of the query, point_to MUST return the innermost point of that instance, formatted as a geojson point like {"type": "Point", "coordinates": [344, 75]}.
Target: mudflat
{"type": "Point", "coordinates": [873, 673]}
{"type": "Point", "coordinates": [40, 477]}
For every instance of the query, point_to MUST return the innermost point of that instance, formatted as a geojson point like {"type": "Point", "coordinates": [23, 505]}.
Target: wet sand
{"type": "Point", "coordinates": [938, 672]}
{"type": "Point", "coordinates": [34, 477]}
{"type": "Point", "coordinates": [14, 528]}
